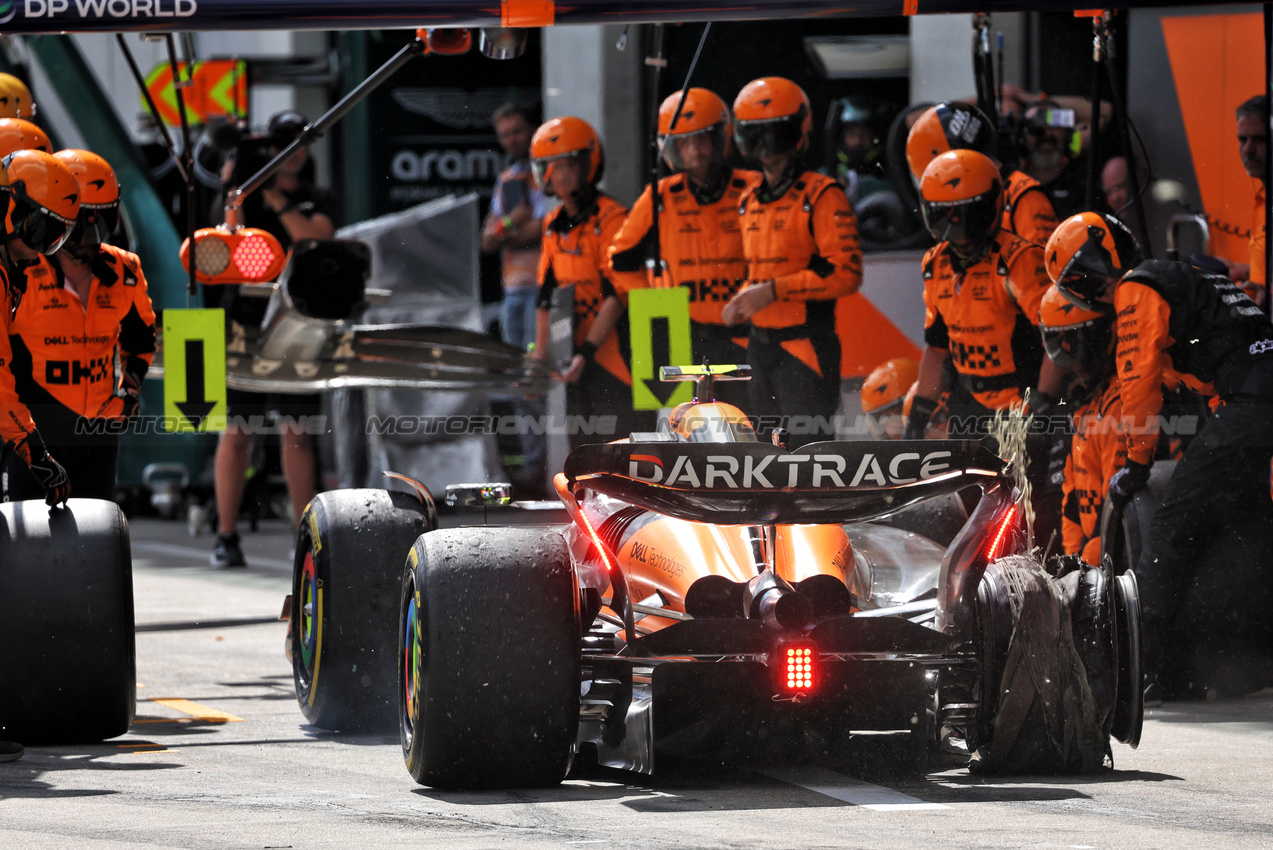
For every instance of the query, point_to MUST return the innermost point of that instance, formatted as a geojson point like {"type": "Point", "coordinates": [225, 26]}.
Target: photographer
{"type": "Point", "coordinates": [291, 208]}
{"type": "Point", "coordinates": [1057, 147]}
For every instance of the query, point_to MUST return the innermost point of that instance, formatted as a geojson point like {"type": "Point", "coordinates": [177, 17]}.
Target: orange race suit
{"type": "Point", "coordinates": [15, 419]}
{"type": "Point", "coordinates": [985, 315]}
{"type": "Point", "coordinates": [700, 243]}
{"type": "Point", "coordinates": [1027, 209]}
{"type": "Point", "coordinates": [1215, 333]}
{"type": "Point", "coordinates": [805, 239]}
{"type": "Point", "coordinates": [574, 253]}
{"type": "Point", "coordinates": [1097, 451]}
{"type": "Point", "coordinates": [78, 365]}
{"type": "Point", "coordinates": [71, 357]}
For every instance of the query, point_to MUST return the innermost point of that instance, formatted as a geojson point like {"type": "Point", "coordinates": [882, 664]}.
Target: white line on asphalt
{"type": "Point", "coordinates": [859, 793]}
{"type": "Point", "coordinates": [202, 555]}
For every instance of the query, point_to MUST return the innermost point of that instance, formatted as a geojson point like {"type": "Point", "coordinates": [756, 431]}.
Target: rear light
{"type": "Point", "coordinates": [602, 552]}
{"type": "Point", "coordinates": [999, 539]}
{"type": "Point", "coordinates": [795, 667]}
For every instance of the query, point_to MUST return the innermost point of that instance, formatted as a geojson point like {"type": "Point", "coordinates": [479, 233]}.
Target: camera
{"type": "Point", "coordinates": [1041, 120]}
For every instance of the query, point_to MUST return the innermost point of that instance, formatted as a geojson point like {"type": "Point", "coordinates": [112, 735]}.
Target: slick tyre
{"type": "Point", "coordinates": [345, 580]}
{"type": "Point", "coordinates": [490, 648]}
{"type": "Point", "coordinates": [68, 668]}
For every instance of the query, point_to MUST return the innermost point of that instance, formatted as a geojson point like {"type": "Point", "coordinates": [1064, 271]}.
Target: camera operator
{"type": "Point", "coordinates": [1057, 146]}
{"type": "Point", "coordinates": [291, 208]}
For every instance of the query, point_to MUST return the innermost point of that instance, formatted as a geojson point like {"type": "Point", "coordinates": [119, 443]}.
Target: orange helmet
{"type": "Point", "coordinates": [99, 196]}
{"type": "Point", "coordinates": [1085, 251]}
{"type": "Point", "coordinates": [961, 198]}
{"type": "Point", "coordinates": [44, 199]}
{"type": "Point", "coordinates": [772, 116]}
{"type": "Point", "coordinates": [703, 112]}
{"type": "Point", "coordinates": [946, 127]}
{"type": "Point", "coordinates": [1077, 340]}
{"type": "Point", "coordinates": [882, 395]}
{"type": "Point", "coordinates": [15, 98]}
{"type": "Point", "coordinates": [564, 138]}
{"type": "Point", "coordinates": [17, 134]}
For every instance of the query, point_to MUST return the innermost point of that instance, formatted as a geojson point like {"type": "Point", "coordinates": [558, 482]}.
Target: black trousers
{"type": "Point", "coordinates": [597, 396]}
{"type": "Point", "coordinates": [786, 393]}
{"type": "Point", "coordinates": [1219, 486]}
{"type": "Point", "coordinates": [87, 456]}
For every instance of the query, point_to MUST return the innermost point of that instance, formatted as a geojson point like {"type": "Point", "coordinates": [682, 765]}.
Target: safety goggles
{"type": "Point", "coordinates": [543, 167]}
{"type": "Point", "coordinates": [1084, 290]}
{"type": "Point", "coordinates": [770, 137]}
{"type": "Point", "coordinates": [1087, 347]}
{"type": "Point", "coordinates": [41, 229]}
{"type": "Point", "coordinates": [96, 224]}
{"type": "Point", "coordinates": [961, 223]}
{"type": "Point", "coordinates": [671, 143]}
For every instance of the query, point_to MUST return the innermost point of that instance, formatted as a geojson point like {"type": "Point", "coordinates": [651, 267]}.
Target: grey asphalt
{"type": "Point", "coordinates": [220, 757]}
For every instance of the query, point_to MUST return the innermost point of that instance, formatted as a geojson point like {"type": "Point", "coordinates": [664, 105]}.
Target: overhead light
{"type": "Point", "coordinates": [840, 57]}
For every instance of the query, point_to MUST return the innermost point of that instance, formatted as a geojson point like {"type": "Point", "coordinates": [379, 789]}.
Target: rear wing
{"type": "Point", "coordinates": [753, 483]}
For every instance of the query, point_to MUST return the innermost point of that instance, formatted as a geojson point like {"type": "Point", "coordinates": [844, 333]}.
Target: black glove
{"type": "Point", "coordinates": [50, 474]}
{"type": "Point", "coordinates": [130, 386]}
{"type": "Point", "coordinates": [922, 410]}
{"type": "Point", "coordinates": [1132, 477]}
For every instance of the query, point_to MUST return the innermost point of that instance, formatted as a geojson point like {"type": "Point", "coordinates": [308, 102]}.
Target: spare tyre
{"type": "Point", "coordinates": [68, 668]}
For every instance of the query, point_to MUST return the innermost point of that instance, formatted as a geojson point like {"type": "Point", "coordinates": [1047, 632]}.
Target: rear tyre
{"type": "Point", "coordinates": [345, 581]}
{"type": "Point", "coordinates": [68, 668]}
{"type": "Point", "coordinates": [1041, 716]}
{"type": "Point", "coordinates": [490, 648]}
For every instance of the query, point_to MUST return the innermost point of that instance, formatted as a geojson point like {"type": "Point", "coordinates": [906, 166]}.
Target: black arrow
{"type": "Point", "coordinates": [661, 354]}
{"type": "Point", "coordinates": [195, 408]}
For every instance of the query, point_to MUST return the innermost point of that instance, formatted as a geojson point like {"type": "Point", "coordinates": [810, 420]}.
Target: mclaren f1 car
{"type": "Point", "coordinates": [711, 593]}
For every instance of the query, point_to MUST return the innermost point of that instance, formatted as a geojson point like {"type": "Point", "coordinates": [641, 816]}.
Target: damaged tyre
{"type": "Point", "coordinates": [1040, 713]}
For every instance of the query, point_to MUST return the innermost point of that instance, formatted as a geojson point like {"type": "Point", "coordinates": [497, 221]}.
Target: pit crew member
{"type": "Point", "coordinates": [568, 161]}
{"type": "Point", "coordinates": [84, 336]}
{"type": "Point", "coordinates": [699, 240]}
{"type": "Point", "coordinates": [1213, 332]}
{"type": "Point", "coordinates": [41, 200]}
{"type": "Point", "coordinates": [982, 290]}
{"type": "Point", "coordinates": [801, 244]}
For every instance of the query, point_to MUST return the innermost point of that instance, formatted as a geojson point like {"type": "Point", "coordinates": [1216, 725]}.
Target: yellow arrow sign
{"type": "Point", "coordinates": [194, 370]}
{"type": "Point", "coordinates": [660, 324]}
{"type": "Point", "coordinates": [218, 87]}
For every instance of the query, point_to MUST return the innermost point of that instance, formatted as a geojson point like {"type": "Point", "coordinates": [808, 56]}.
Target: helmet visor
{"type": "Point", "coordinates": [543, 167]}
{"type": "Point", "coordinates": [886, 423]}
{"type": "Point", "coordinates": [1081, 348]}
{"type": "Point", "coordinates": [759, 139]}
{"type": "Point", "coordinates": [95, 225]}
{"type": "Point", "coordinates": [675, 146]}
{"type": "Point", "coordinates": [962, 223]}
{"type": "Point", "coordinates": [41, 229]}
{"type": "Point", "coordinates": [1084, 290]}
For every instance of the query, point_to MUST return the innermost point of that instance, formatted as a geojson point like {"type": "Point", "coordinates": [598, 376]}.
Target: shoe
{"type": "Point", "coordinates": [227, 553]}
{"type": "Point", "coordinates": [10, 751]}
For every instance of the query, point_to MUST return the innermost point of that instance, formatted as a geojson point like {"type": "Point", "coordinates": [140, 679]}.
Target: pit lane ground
{"type": "Point", "coordinates": [220, 756]}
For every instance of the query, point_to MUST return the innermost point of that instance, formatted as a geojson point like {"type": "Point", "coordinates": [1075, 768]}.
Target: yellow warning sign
{"type": "Point", "coordinates": [194, 370]}
{"type": "Point", "coordinates": [660, 322]}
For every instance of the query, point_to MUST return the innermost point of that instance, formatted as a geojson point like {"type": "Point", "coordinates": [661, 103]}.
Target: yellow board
{"type": "Point", "coordinates": [218, 87]}
{"type": "Point", "coordinates": [194, 370]}
{"type": "Point", "coordinates": [660, 322]}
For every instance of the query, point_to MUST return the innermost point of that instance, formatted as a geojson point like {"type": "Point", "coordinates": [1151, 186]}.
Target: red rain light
{"type": "Point", "coordinates": [795, 667]}
{"type": "Point", "coordinates": [253, 257]}
{"type": "Point", "coordinates": [995, 549]}
{"type": "Point", "coordinates": [596, 541]}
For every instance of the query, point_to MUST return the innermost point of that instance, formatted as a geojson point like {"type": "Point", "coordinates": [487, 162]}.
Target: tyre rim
{"type": "Point", "coordinates": [411, 668]}
{"type": "Point", "coordinates": [309, 612]}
